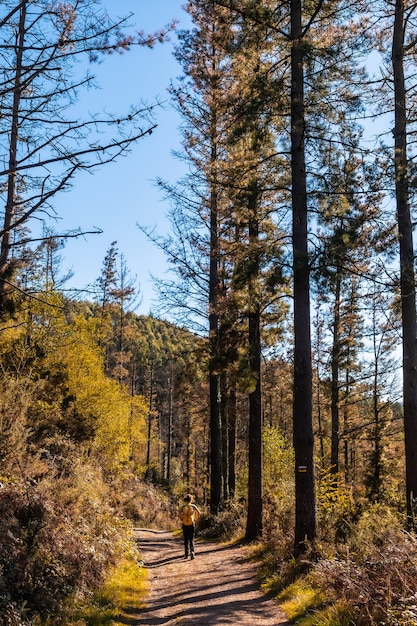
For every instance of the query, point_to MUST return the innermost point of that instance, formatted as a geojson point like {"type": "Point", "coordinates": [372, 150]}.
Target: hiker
{"type": "Point", "coordinates": [189, 514]}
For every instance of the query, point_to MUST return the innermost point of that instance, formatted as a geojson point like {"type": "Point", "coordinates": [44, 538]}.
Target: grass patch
{"type": "Point", "coordinates": [299, 598]}
{"type": "Point", "coordinates": [126, 585]}
{"type": "Point", "coordinates": [123, 589]}
{"type": "Point", "coordinates": [307, 605]}
{"type": "Point", "coordinates": [335, 615]}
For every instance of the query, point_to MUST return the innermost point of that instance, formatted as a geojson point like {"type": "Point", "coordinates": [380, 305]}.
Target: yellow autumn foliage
{"type": "Point", "coordinates": [117, 418]}
{"type": "Point", "coordinates": [60, 353]}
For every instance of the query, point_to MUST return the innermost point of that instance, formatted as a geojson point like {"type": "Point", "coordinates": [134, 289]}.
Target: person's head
{"type": "Point", "coordinates": [188, 497]}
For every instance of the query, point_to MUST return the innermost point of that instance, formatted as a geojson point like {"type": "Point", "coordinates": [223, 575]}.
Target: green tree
{"type": "Point", "coordinates": [305, 518]}
{"type": "Point", "coordinates": [348, 223]}
{"type": "Point", "coordinates": [197, 219]}
{"type": "Point", "coordinates": [383, 386]}
{"type": "Point", "coordinates": [402, 15]}
{"type": "Point", "coordinates": [252, 169]}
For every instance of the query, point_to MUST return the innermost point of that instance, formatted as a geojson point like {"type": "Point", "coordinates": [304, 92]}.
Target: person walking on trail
{"type": "Point", "coordinates": [189, 514]}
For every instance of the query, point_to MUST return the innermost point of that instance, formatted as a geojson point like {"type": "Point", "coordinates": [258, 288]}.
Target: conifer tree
{"type": "Point", "coordinates": [305, 505]}
{"type": "Point", "coordinates": [402, 13]}
{"type": "Point", "coordinates": [325, 40]}
{"type": "Point", "coordinates": [198, 199]}
{"type": "Point", "coordinates": [312, 34]}
{"type": "Point", "coordinates": [236, 168]}
{"type": "Point", "coordinates": [253, 172]}
{"type": "Point", "coordinates": [383, 331]}
{"type": "Point", "coordinates": [348, 220]}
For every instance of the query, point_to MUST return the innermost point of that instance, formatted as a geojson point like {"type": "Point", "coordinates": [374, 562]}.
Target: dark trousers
{"type": "Point", "coordinates": [188, 532]}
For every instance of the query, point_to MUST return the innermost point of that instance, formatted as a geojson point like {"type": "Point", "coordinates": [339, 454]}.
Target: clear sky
{"type": "Point", "coordinates": [120, 195]}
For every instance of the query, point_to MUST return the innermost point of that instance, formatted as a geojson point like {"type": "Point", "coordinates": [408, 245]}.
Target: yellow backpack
{"type": "Point", "coordinates": [187, 515]}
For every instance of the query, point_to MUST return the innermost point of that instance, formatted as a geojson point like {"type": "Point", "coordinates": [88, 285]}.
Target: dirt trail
{"type": "Point", "coordinates": [218, 587]}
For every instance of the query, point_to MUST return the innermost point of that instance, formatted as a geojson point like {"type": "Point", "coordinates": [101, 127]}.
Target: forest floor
{"type": "Point", "coordinates": [219, 586]}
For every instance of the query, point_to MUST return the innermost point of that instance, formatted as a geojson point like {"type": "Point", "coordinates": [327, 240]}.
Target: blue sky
{"type": "Point", "coordinates": [122, 194]}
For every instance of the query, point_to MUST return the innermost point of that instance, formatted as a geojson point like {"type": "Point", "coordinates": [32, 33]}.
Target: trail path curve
{"type": "Point", "coordinates": [218, 587]}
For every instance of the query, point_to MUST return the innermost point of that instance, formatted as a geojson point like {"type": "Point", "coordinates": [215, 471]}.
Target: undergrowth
{"type": "Point", "coordinates": [369, 579]}
{"type": "Point", "coordinates": [123, 589]}
{"type": "Point", "coordinates": [226, 525]}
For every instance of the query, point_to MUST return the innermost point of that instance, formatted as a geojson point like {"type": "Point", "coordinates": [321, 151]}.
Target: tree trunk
{"type": "Point", "coordinates": [150, 415]}
{"type": "Point", "coordinates": [225, 433]}
{"type": "Point", "coordinates": [348, 442]}
{"type": "Point", "coordinates": [9, 211]}
{"type": "Point", "coordinates": [305, 505]}
{"type": "Point", "coordinates": [334, 459]}
{"type": "Point", "coordinates": [170, 424]}
{"type": "Point", "coordinates": [215, 418]}
{"type": "Point", "coordinates": [376, 467]}
{"type": "Point", "coordinates": [254, 519]}
{"type": "Point", "coordinates": [407, 274]}
{"type": "Point", "coordinates": [188, 452]}
{"type": "Point", "coordinates": [318, 387]}
{"type": "Point", "coordinates": [232, 413]}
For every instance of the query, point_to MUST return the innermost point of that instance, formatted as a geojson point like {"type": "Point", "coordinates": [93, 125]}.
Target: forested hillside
{"type": "Point", "coordinates": [74, 445]}
{"type": "Point", "coordinates": [283, 391]}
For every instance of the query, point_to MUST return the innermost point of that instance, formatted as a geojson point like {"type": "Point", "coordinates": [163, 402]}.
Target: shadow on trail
{"type": "Point", "coordinates": [217, 589]}
{"type": "Point", "coordinates": [171, 547]}
{"type": "Point", "coordinates": [150, 531]}
{"type": "Point", "coordinates": [227, 609]}
{"type": "Point", "coordinates": [162, 562]}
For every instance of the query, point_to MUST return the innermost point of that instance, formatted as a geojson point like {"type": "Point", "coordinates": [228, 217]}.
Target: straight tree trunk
{"type": "Point", "coordinates": [9, 211]}
{"type": "Point", "coordinates": [215, 445]}
{"type": "Point", "coordinates": [254, 518]}
{"type": "Point", "coordinates": [232, 414]}
{"type": "Point", "coordinates": [334, 460]}
{"type": "Point", "coordinates": [305, 498]}
{"type": "Point", "coordinates": [376, 476]}
{"type": "Point", "coordinates": [170, 424]}
{"type": "Point", "coordinates": [225, 432]}
{"type": "Point", "coordinates": [188, 457]}
{"type": "Point", "coordinates": [215, 417]}
{"type": "Point", "coordinates": [348, 442]}
{"type": "Point", "coordinates": [150, 414]}
{"type": "Point", "coordinates": [318, 388]}
{"type": "Point", "coordinates": [407, 274]}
